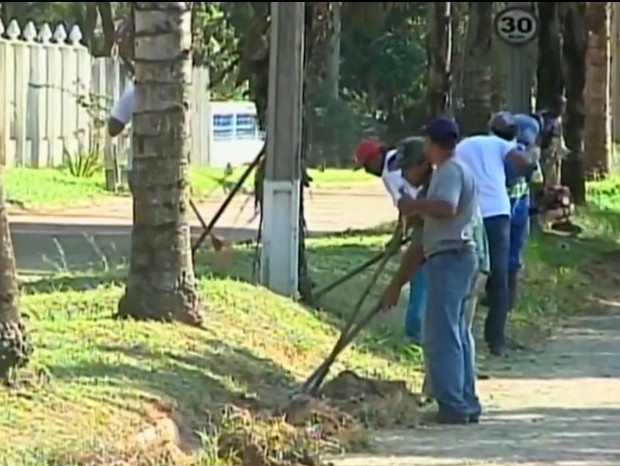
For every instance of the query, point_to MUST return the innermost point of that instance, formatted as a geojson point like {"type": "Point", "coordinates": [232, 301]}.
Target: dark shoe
{"type": "Point", "coordinates": [444, 419]}
{"type": "Point", "coordinates": [473, 419]}
{"type": "Point", "coordinates": [497, 351]}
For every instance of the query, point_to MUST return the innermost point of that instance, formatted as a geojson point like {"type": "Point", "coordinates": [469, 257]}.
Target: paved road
{"type": "Point", "coordinates": [561, 407]}
{"type": "Point", "coordinates": [84, 237]}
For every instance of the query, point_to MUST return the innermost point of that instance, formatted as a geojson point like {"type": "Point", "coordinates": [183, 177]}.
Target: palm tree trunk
{"type": "Point", "coordinates": [597, 125]}
{"type": "Point", "coordinates": [15, 346]}
{"type": "Point", "coordinates": [161, 283]}
{"type": "Point", "coordinates": [477, 69]}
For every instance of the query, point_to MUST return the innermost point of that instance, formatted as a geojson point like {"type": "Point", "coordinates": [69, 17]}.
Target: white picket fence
{"type": "Point", "coordinates": [55, 98]}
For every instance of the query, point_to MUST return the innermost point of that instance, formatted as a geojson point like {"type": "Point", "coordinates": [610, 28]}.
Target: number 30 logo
{"type": "Point", "coordinates": [516, 26]}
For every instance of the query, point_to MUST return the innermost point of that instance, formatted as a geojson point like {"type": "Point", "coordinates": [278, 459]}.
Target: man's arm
{"type": "Point", "coordinates": [121, 113]}
{"type": "Point", "coordinates": [442, 198]}
{"type": "Point", "coordinates": [515, 157]}
{"type": "Point", "coordinates": [411, 259]}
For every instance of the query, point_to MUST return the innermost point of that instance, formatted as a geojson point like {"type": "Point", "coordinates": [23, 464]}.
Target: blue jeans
{"type": "Point", "coordinates": [498, 236]}
{"type": "Point", "coordinates": [416, 305]}
{"type": "Point", "coordinates": [447, 338]}
{"type": "Point", "coordinates": [519, 231]}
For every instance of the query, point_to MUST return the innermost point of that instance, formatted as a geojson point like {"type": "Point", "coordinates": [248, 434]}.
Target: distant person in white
{"type": "Point", "coordinates": [374, 157]}
{"type": "Point", "coordinates": [485, 155]}
{"type": "Point", "coordinates": [122, 112]}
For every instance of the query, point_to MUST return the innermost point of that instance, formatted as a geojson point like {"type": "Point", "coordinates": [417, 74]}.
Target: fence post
{"type": "Point", "coordinates": [38, 90]}
{"type": "Point", "coordinates": [22, 70]}
{"type": "Point", "coordinates": [4, 129]}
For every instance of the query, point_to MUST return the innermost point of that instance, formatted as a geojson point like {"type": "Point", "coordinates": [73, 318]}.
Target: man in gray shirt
{"type": "Point", "coordinates": [449, 248]}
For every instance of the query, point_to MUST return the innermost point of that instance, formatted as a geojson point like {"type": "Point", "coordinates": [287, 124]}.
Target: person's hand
{"type": "Point", "coordinates": [414, 221]}
{"type": "Point", "coordinates": [406, 205]}
{"type": "Point", "coordinates": [390, 297]}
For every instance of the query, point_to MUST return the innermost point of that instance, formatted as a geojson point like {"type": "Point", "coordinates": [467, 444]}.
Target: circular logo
{"type": "Point", "coordinates": [516, 25]}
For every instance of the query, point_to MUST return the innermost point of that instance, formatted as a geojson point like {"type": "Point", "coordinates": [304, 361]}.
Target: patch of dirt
{"type": "Point", "coordinates": [377, 404]}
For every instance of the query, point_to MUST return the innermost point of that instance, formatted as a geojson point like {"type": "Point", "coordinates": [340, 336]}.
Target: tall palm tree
{"type": "Point", "coordinates": [161, 284]}
{"type": "Point", "coordinates": [477, 68]}
{"type": "Point", "coordinates": [15, 346]}
{"type": "Point", "coordinates": [597, 91]}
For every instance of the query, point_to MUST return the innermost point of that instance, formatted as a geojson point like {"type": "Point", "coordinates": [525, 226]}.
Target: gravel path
{"type": "Point", "coordinates": [560, 407]}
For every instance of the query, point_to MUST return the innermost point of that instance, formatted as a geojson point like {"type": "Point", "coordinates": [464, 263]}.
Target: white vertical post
{"type": "Point", "coordinates": [280, 253]}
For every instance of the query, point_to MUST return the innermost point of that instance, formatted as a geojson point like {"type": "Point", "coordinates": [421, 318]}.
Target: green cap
{"type": "Point", "coordinates": [410, 152]}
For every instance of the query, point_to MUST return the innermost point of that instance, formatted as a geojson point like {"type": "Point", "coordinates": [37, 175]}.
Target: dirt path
{"type": "Point", "coordinates": [561, 407]}
{"type": "Point", "coordinates": [360, 206]}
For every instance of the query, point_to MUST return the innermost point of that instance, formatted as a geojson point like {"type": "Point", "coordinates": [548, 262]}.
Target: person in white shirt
{"type": "Point", "coordinates": [376, 159]}
{"type": "Point", "coordinates": [122, 112]}
{"type": "Point", "coordinates": [485, 156]}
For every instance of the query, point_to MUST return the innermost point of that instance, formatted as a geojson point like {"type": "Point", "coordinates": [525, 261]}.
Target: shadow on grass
{"type": "Point", "coordinates": [190, 387]}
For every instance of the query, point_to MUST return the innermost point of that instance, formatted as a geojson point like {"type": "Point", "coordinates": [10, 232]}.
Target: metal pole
{"type": "Point", "coordinates": [519, 93]}
{"type": "Point", "coordinates": [282, 184]}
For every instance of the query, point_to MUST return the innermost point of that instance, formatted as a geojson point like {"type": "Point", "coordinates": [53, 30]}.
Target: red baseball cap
{"type": "Point", "coordinates": [366, 151]}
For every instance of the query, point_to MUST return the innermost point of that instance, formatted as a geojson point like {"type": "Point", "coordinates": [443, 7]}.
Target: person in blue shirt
{"type": "Point", "coordinates": [528, 132]}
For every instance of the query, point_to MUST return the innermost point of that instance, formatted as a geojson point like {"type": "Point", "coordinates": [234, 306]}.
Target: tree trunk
{"type": "Point", "coordinates": [161, 283]}
{"type": "Point", "coordinates": [439, 53]}
{"type": "Point", "coordinates": [597, 125]}
{"type": "Point", "coordinates": [15, 345]}
{"type": "Point", "coordinates": [574, 55]}
{"type": "Point", "coordinates": [332, 63]}
{"type": "Point", "coordinates": [477, 69]}
{"type": "Point", "coordinates": [549, 76]}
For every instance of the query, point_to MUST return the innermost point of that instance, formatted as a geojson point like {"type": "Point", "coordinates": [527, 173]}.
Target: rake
{"type": "Point", "coordinates": [352, 328]}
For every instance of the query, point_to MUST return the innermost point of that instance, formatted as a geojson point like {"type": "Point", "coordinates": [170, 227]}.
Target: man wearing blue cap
{"type": "Point", "coordinates": [485, 156]}
{"type": "Point", "coordinates": [449, 250]}
{"type": "Point", "coordinates": [528, 130]}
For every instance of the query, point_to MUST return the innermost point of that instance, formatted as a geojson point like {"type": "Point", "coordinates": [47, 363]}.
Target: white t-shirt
{"type": "Point", "coordinates": [394, 182]}
{"type": "Point", "coordinates": [485, 156]}
{"type": "Point", "coordinates": [123, 109]}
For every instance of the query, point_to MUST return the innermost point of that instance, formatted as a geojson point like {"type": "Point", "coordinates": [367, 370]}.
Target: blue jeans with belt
{"type": "Point", "coordinates": [446, 337]}
{"type": "Point", "coordinates": [416, 305]}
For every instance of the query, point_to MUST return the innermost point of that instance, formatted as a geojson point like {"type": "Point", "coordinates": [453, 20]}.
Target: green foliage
{"type": "Point", "coordinates": [334, 126]}
{"type": "Point", "coordinates": [388, 68]}
{"type": "Point", "coordinates": [83, 164]}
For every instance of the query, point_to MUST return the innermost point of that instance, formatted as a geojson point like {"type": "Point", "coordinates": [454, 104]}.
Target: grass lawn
{"type": "Point", "coordinates": [109, 378]}
{"type": "Point", "coordinates": [44, 187]}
